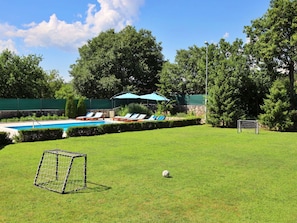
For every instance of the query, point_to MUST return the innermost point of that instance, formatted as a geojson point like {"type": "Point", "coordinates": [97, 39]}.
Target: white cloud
{"type": "Point", "coordinates": [69, 36]}
{"type": "Point", "coordinates": [7, 44]}
{"type": "Point", "coordinates": [226, 35]}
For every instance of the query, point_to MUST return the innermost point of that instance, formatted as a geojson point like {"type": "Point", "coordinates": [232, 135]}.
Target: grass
{"type": "Point", "coordinates": [218, 175]}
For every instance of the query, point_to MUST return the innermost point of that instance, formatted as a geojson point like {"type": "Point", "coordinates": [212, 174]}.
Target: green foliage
{"type": "Point", "coordinates": [84, 131]}
{"type": "Point", "coordinates": [225, 104]}
{"type": "Point", "coordinates": [273, 41]}
{"type": "Point", "coordinates": [81, 107]}
{"type": "Point", "coordinates": [29, 118]}
{"type": "Point", "coordinates": [39, 135]}
{"type": "Point", "coordinates": [65, 91]}
{"type": "Point", "coordinates": [55, 83]}
{"type": "Point", "coordinates": [112, 62]}
{"type": "Point", "coordinates": [70, 108]}
{"type": "Point", "coordinates": [130, 126]}
{"type": "Point", "coordinates": [276, 108]}
{"type": "Point", "coordinates": [134, 108]}
{"type": "Point", "coordinates": [22, 76]}
{"type": "Point", "coordinates": [4, 139]}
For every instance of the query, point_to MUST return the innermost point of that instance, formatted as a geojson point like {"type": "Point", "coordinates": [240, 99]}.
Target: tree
{"type": "Point", "coordinates": [191, 65]}
{"type": "Point", "coordinates": [273, 41]}
{"type": "Point", "coordinates": [277, 108]}
{"type": "Point", "coordinates": [22, 77]}
{"type": "Point", "coordinates": [81, 107]}
{"type": "Point", "coordinates": [170, 80]}
{"type": "Point", "coordinates": [65, 91]}
{"type": "Point", "coordinates": [113, 62]}
{"type": "Point", "coordinates": [70, 108]}
{"type": "Point", "coordinates": [54, 81]}
{"type": "Point", "coordinates": [225, 99]}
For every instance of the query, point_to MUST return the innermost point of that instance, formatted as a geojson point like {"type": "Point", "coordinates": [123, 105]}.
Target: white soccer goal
{"type": "Point", "coordinates": [247, 124]}
{"type": "Point", "coordinates": [62, 171]}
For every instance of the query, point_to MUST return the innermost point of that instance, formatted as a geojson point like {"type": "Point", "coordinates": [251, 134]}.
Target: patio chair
{"type": "Point", "coordinates": [97, 116]}
{"type": "Point", "coordinates": [136, 118]}
{"type": "Point", "coordinates": [121, 118]}
{"type": "Point", "coordinates": [88, 115]}
{"type": "Point", "coordinates": [161, 118]}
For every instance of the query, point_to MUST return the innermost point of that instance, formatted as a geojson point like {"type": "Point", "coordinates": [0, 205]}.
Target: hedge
{"type": "Point", "coordinates": [51, 134]}
{"type": "Point", "coordinates": [4, 139]}
{"type": "Point", "coordinates": [40, 135]}
{"type": "Point", "coordinates": [130, 126]}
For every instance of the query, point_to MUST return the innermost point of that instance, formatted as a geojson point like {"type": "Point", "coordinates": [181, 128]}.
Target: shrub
{"type": "Point", "coordinates": [129, 126]}
{"type": "Point", "coordinates": [135, 108]}
{"type": "Point", "coordinates": [81, 107]}
{"type": "Point", "coordinates": [70, 108]}
{"type": "Point", "coordinates": [85, 131]}
{"type": "Point", "coordinates": [277, 115]}
{"type": "Point", "coordinates": [33, 135]}
{"type": "Point", "coordinates": [4, 139]}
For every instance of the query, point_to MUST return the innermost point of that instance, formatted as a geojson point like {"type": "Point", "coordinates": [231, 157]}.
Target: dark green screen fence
{"type": "Point", "coordinates": [14, 104]}
{"type": "Point", "coordinates": [48, 104]}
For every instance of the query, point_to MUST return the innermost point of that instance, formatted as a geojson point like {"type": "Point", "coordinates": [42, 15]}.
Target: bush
{"type": "Point", "coordinates": [70, 108]}
{"type": "Point", "coordinates": [85, 131]}
{"type": "Point", "coordinates": [134, 108]}
{"type": "Point", "coordinates": [81, 107]}
{"type": "Point", "coordinates": [4, 139]}
{"type": "Point", "coordinates": [129, 126]}
{"type": "Point", "coordinates": [33, 135]}
{"type": "Point", "coordinates": [277, 114]}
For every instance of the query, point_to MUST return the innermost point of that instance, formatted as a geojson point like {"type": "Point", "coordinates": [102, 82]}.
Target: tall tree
{"type": "Point", "coordinates": [273, 40]}
{"type": "Point", "coordinates": [276, 108]}
{"type": "Point", "coordinates": [22, 76]}
{"type": "Point", "coordinates": [225, 99]}
{"type": "Point", "coordinates": [113, 62]}
{"type": "Point", "coordinates": [54, 81]}
{"type": "Point", "coordinates": [170, 80]}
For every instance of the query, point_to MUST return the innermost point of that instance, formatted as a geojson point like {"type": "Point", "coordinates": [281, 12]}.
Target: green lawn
{"type": "Point", "coordinates": [218, 175]}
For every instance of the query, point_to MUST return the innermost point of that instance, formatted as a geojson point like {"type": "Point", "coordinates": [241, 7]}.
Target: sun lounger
{"type": "Point", "coordinates": [152, 118]}
{"type": "Point", "coordinates": [97, 116]}
{"type": "Point", "coordinates": [161, 118]}
{"type": "Point", "coordinates": [121, 118]}
{"type": "Point", "coordinates": [136, 118]}
{"type": "Point", "coordinates": [88, 115]}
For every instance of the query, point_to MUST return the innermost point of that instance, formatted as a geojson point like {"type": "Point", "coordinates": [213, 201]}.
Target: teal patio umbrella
{"type": "Point", "coordinates": [154, 97]}
{"type": "Point", "coordinates": [125, 96]}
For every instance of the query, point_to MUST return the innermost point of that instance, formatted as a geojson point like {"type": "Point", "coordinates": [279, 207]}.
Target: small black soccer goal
{"type": "Point", "coordinates": [247, 124]}
{"type": "Point", "coordinates": [62, 171]}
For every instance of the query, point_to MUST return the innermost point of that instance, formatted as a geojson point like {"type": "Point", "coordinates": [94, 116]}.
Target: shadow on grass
{"type": "Point", "coordinates": [93, 188]}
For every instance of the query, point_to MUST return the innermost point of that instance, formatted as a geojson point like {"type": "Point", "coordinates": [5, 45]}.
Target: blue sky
{"type": "Point", "coordinates": [55, 29]}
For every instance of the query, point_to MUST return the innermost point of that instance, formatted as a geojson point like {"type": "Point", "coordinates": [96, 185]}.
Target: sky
{"type": "Point", "coordinates": [55, 29]}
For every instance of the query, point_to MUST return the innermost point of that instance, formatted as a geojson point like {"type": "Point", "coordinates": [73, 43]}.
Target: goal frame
{"type": "Point", "coordinates": [72, 156]}
{"type": "Point", "coordinates": [247, 124]}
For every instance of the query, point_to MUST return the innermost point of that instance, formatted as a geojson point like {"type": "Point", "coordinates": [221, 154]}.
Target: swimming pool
{"type": "Point", "coordinates": [63, 126]}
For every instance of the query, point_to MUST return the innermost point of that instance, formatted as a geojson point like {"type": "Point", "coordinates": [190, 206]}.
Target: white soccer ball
{"type": "Point", "coordinates": [165, 173]}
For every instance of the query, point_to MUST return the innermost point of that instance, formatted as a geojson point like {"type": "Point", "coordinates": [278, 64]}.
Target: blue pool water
{"type": "Point", "coordinates": [64, 126]}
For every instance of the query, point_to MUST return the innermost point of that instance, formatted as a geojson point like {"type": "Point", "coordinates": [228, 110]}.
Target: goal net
{"type": "Point", "coordinates": [62, 171]}
{"type": "Point", "coordinates": [247, 124]}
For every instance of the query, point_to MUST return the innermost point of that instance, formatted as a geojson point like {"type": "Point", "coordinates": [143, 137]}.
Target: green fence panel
{"type": "Point", "coordinates": [30, 104]}
{"type": "Point", "coordinates": [53, 104]}
{"type": "Point", "coordinates": [59, 104]}
{"type": "Point", "coordinates": [196, 99]}
{"type": "Point", "coordinates": [9, 104]}
{"type": "Point", "coordinates": [98, 104]}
